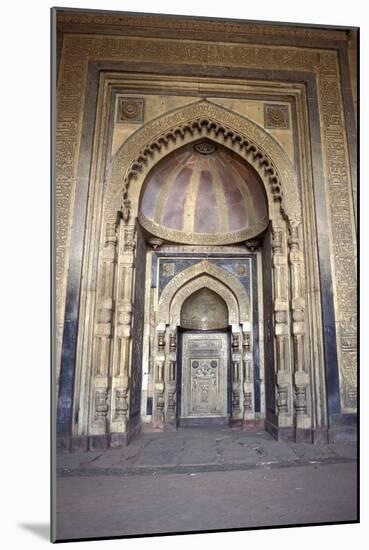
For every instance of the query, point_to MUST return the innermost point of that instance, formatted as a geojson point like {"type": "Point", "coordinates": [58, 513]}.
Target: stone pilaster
{"type": "Point", "coordinates": [236, 344]}
{"type": "Point", "coordinates": [171, 377]}
{"type": "Point", "coordinates": [247, 373]}
{"type": "Point", "coordinates": [120, 372]}
{"type": "Point", "coordinates": [159, 377]}
{"type": "Point", "coordinates": [301, 375]}
{"type": "Point", "coordinates": [281, 324]}
{"type": "Point", "coordinates": [100, 391]}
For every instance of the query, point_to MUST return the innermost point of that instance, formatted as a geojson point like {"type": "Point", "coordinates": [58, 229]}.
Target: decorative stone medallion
{"type": "Point", "coordinates": [205, 147]}
{"type": "Point", "coordinates": [240, 269]}
{"type": "Point", "coordinates": [168, 270]}
{"type": "Point", "coordinates": [130, 109]}
{"type": "Point", "coordinates": [276, 117]}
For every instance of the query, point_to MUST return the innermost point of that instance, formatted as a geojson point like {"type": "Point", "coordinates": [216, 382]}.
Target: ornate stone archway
{"type": "Point", "coordinates": [112, 347]}
{"type": "Point", "coordinates": [204, 274]}
{"type": "Point", "coordinates": [168, 132]}
{"type": "Point", "coordinates": [203, 281]}
{"type": "Point", "coordinates": [218, 276]}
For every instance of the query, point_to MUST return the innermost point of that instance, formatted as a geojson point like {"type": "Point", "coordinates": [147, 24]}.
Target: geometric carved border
{"type": "Point", "coordinates": [202, 238]}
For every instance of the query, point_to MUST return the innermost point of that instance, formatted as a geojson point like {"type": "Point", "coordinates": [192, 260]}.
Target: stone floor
{"type": "Point", "coordinates": [196, 480]}
{"type": "Point", "coordinates": [201, 450]}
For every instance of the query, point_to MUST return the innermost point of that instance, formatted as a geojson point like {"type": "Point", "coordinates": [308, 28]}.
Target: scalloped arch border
{"type": "Point", "coordinates": [154, 140]}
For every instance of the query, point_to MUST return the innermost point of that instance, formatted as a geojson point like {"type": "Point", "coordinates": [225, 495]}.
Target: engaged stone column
{"type": "Point", "coordinates": [159, 384]}
{"type": "Point", "coordinates": [281, 308]}
{"type": "Point", "coordinates": [236, 373]}
{"type": "Point", "coordinates": [171, 377]}
{"type": "Point", "coordinates": [120, 372]}
{"type": "Point", "coordinates": [99, 397]}
{"type": "Point", "coordinates": [248, 370]}
{"type": "Point", "coordinates": [301, 377]}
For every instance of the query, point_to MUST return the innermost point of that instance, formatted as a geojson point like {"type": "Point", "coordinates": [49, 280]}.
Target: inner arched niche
{"type": "Point", "coordinates": [204, 310]}
{"type": "Point", "coordinates": [203, 193]}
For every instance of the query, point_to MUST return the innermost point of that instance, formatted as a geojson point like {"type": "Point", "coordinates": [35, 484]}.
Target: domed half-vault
{"type": "Point", "coordinates": [203, 193]}
{"type": "Point", "coordinates": [204, 310]}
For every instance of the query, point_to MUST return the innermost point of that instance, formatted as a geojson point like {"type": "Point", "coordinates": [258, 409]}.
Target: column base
{"type": "Point", "coordinates": [171, 425]}
{"type": "Point", "coordinates": [118, 440]}
{"type": "Point", "coordinates": [288, 433]}
{"type": "Point", "coordinates": [342, 427]}
{"type": "Point", "coordinates": [78, 443]}
{"type": "Point", "coordinates": [98, 442]}
{"type": "Point", "coordinates": [63, 444]}
{"type": "Point", "coordinates": [320, 435]}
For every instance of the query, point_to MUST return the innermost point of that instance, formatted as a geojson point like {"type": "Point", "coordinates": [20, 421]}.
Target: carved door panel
{"type": "Point", "coordinates": [204, 378]}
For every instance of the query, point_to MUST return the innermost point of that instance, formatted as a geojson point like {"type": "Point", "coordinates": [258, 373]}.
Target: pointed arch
{"type": "Point", "coordinates": [203, 281]}
{"type": "Point", "coordinates": [218, 274]}
{"type": "Point", "coordinates": [170, 131]}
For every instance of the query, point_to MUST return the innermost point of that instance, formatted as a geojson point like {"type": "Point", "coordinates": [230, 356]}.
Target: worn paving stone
{"type": "Point", "coordinates": [199, 451]}
{"type": "Point", "coordinates": [237, 453]}
{"type": "Point", "coordinates": [77, 459]}
{"type": "Point", "coordinates": [276, 450]}
{"type": "Point", "coordinates": [344, 450]}
{"type": "Point", "coordinates": [211, 448]}
{"type": "Point", "coordinates": [101, 506]}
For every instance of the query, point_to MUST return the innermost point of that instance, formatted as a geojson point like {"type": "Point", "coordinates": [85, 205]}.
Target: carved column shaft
{"type": "Point", "coordinates": [121, 343]}
{"type": "Point", "coordinates": [159, 376]}
{"type": "Point", "coordinates": [103, 328]}
{"type": "Point", "coordinates": [236, 371]}
{"type": "Point", "coordinates": [301, 377]}
{"type": "Point", "coordinates": [171, 377]}
{"type": "Point", "coordinates": [236, 344]}
{"type": "Point", "coordinates": [281, 307]}
{"type": "Point", "coordinates": [248, 379]}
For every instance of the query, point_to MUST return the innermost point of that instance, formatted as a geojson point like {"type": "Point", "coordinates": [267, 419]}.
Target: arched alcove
{"type": "Point", "coordinates": [204, 310]}
{"type": "Point", "coordinates": [203, 274]}
{"type": "Point", "coordinates": [203, 193]}
{"type": "Point", "coordinates": [204, 177]}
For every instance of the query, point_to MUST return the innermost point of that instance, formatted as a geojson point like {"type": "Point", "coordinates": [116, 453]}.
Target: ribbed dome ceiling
{"type": "Point", "coordinates": [203, 193]}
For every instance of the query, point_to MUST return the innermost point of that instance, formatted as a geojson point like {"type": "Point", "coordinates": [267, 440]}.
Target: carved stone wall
{"type": "Point", "coordinates": [308, 231]}
{"type": "Point", "coordinates": [342, 230]}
